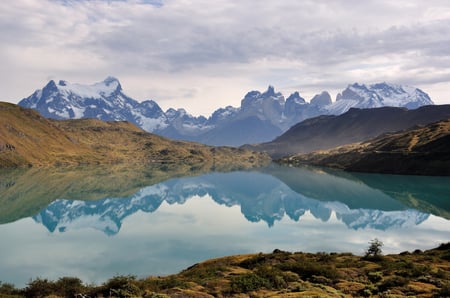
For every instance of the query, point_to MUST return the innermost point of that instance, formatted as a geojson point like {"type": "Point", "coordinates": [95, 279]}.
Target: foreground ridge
{"type": "Point", "coordinates": [276, 274]}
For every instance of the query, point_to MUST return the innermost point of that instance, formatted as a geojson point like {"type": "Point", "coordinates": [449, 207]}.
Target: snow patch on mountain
{"type": "Point", "coordinates": [378, 95]}
{"type": "Point", "coordinates": [97, 90]}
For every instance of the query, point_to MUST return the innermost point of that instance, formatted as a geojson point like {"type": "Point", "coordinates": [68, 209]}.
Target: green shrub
{"type": "Point", "coordinates": [39, 288]}
{"type": "Point", "coordinates": [445, 290]}
{"type": "Point", "coordinates": [122, 286]}
{"type": "Point", "coordinates": [276, 278]}
{"type": "Point", "coordinates": [8, 289]}
{"type": "Point", "coordinates": [446, 256]}
{"type": "Point", "coordinates": [252, 262]}
{"type": "Point", "coordinates": [200, 273]}
{"type": "Point", "coordinates": [245, 283]}
{"type": "Point", "coordinates": [68, 286]}
{"type": "Point", "coordinates": [392, 282]}
{"type": "Point", "coordinates": [375, 276]}
{"type": "Point", "coordinates": [307, 269]}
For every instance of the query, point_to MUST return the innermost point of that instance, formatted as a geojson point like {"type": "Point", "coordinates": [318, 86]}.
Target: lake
{"type": "Point", "coordinates": [95, 223]}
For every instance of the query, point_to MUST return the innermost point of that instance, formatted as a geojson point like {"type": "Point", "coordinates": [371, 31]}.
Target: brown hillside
{"type": "Point", "coordinates": [28, 139]}
{"type": "Point", "coordinates": [418, 151]}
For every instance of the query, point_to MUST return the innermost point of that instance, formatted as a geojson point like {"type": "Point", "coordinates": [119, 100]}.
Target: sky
{"type": "Point", "coordinates": [202, 55]}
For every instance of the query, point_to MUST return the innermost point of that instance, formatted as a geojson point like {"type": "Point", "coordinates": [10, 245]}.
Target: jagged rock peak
{"type": "Point", "coordinates": [270, 91]}
{"type": "Point", "coordinates": [252, 94]}
{"type": "Point", "coordinates": [51, 85]}
{"type": "Point", "coordinates": [111, 81]}
{"type": "Point", "coordinates": [322, 99]}
{"type": "Point", "coordinates": [295, 97]}
{"type": "Point", "coordinates": [353, 91]}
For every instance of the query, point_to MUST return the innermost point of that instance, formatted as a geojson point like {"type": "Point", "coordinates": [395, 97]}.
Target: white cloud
{"type": "Point", "coordinates": [219, 51]}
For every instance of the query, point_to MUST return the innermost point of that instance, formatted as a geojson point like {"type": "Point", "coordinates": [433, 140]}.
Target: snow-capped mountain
{"type": "Point", "coordinates": [378, 95]}
{"type": "Point", "coordinates": [261, 117]}
{"type": "Point", "coordinates": [104, 100]}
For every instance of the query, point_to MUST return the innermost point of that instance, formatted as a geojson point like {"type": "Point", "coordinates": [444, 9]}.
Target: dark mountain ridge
{"type": "Point", "coordinates": [423, 150]}
{"type": "Point", "coordinates": [356, 125]}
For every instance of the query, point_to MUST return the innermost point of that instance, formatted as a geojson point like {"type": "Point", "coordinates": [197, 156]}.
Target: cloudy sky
{"type": "Point", "coordinates": [203, 54]}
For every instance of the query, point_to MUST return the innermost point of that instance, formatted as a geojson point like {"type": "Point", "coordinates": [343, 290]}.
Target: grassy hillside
{"type": "Point", "coordinates": [28, 139]}
{"type": "Point", "coordinates": [419, 151]}
{"type": "Point", "coordinates": [277, 274]}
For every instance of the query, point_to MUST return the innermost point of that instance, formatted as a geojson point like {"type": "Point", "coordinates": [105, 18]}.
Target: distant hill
{"type": "Point", "coordinates": [29, 139]}
{"type": "Point", "coordinates": [418, 151]}
{"type": "Point", "coordinates": [356, 125]}
{"type": "Point", "coordinates": [261, 116]}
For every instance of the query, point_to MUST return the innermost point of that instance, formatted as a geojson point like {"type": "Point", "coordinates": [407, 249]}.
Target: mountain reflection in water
{"type": "Point", "coordinates": [100, 222]}
{"type": "Point", "coordinates": [260, 196]}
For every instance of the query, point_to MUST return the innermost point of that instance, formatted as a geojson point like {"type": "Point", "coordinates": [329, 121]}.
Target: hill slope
{"type": "Point", "coordinates": [418, 151]}
{"type": "Point", "coordinates": [356, 125]}
{"type": "Point", "coordinates": [28, 139]}
{"type": "Point", "coordinates": [277, 274]}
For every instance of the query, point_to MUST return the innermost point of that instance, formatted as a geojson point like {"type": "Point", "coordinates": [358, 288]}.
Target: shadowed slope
{"type": "Point", "coordinates": [418, 151]}
{"type": "Point", "coordinates": [356, 125]}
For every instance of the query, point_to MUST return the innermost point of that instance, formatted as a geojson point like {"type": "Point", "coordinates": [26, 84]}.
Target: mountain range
{"type": "Point", "coordinates": [261, 117]}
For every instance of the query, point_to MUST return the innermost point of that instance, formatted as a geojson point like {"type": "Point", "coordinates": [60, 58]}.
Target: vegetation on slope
{"type": "Point", "coordinates": [28, 139]}
{"type": "Point", "coordinates": [418, 151]}
{"type": "Point", "coordinates": [277, 274]}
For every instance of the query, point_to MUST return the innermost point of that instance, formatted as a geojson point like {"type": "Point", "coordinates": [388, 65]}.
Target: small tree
{"type": "Point", "coordinates": [374, 249]}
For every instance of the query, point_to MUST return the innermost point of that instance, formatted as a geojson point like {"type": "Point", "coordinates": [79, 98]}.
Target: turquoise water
{"type": "Point", "coordinates": [165, 227]}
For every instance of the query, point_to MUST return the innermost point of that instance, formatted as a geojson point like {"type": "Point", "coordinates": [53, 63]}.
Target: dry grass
{"type": "Point", "coordinates": [28, 139]}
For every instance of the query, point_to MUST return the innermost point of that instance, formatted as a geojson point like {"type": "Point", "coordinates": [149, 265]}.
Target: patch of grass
{"type": "Point", "coordinates": [308, 268]}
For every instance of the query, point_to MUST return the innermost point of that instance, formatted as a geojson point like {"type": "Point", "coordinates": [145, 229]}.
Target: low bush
{"type": "Point", "coordinates": [39, 288]}
{"type": "Point", "coordinates": [306, 269]}
{"type": "Point", "coordinates": [375, 276]}
{"type": "Point", "coordinates": [392, 282]}
{"type": "Point", "coordinates": [245, 283]}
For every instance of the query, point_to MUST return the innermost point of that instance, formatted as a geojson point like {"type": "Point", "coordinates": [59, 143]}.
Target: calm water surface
{"type": "Point", "coordinates": [95, 224]}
